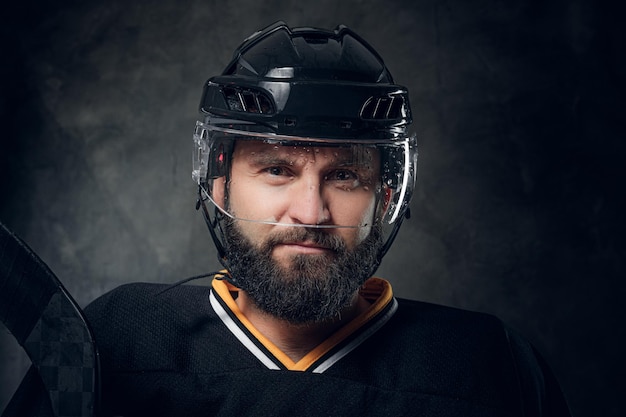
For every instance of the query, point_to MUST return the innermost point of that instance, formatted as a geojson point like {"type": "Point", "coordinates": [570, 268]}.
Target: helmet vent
{"type": "Point", "coordinates": [248, 101]}
{"type": "Point", "coordinates": [388, 107]}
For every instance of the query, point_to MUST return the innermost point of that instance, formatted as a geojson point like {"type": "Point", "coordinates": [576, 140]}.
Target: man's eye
{"type": "Point", "coordinates": [275, 171]}
{"type": "Point", "coordinates": [342, 175]}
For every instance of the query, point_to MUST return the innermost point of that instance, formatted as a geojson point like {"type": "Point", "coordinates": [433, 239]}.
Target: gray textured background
{"type": "Point", "coordinates": [519, 111]}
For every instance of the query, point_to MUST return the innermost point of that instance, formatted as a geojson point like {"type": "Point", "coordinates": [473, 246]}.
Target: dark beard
{"type": "Point", "coordinates": [315, 288]}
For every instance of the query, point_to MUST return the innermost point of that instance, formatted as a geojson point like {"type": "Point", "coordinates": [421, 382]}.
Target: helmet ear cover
{"type": "Point", "coordinates": [220, 154]}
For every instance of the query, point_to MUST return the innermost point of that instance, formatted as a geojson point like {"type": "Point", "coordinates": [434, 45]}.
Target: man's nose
{"type": "Point", "coordinates": [308, 204]}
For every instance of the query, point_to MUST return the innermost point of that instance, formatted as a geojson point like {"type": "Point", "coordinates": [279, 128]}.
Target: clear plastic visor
{"type": "Point", "coordinates": [303, 182]}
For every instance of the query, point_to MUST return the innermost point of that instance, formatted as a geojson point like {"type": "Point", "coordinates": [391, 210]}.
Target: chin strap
{"type": "Point", "coordinates": [212, 225]}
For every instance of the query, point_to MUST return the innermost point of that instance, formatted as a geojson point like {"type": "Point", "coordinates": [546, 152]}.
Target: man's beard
{"type": "Point", "coordinates": [312, 288]}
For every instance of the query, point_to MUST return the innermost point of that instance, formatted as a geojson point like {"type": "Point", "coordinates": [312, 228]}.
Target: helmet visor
{"type": "Point", "coordinates": [303, 182]}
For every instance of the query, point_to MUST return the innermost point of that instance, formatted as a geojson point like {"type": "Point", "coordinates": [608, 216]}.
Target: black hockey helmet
{"type": "Point", "coordinates": [306, 87]}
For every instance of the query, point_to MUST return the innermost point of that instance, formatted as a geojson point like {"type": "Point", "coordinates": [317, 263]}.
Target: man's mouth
{"type": "Point", "coordinates": [305, 247]}
{"type": "Point", "coordinates": [300, 241]}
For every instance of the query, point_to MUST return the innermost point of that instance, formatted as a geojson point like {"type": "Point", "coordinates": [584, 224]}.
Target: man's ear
{"type": "Point", "coordinates": [217, 191]}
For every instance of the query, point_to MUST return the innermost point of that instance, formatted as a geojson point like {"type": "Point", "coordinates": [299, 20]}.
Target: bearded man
{"type": "Point", "coordinates": [305, 168]}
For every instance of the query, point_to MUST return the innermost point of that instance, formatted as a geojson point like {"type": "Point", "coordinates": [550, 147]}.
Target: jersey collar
{"type": "Point", "coordinates": [375, 290]}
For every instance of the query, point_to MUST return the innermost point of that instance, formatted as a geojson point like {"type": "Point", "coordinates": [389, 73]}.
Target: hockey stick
{"type": "Point", "coordinates": [49, 325]}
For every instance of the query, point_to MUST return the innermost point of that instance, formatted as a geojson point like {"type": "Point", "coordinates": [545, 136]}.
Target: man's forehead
{"type": "Point", "coordinates": [353, 154]}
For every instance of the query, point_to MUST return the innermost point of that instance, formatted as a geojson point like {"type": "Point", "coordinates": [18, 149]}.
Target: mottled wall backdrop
{"type": "Point", "coordinates": [520, 116]}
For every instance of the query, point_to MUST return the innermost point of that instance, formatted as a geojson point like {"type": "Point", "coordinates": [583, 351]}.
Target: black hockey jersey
{"type": "Point", "coordinates": [188, 351]}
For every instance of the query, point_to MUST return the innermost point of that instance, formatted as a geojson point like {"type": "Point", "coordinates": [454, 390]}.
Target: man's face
{"type": "Point", "coordinates": [299, 273]}
{"type": "Point", "coordinates": [304, 186]}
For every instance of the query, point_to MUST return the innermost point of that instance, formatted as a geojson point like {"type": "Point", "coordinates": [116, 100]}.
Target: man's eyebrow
{"type": "Point", "coordinates": [290, 156]}
{"type": "Point", "coordinates": [267, 157]}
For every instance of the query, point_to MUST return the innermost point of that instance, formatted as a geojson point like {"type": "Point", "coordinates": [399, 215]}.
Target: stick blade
{"type": "Point", "coordinates": [50, 326]}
